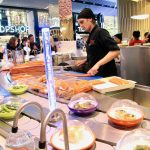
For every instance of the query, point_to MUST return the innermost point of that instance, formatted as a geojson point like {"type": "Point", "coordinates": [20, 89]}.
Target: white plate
{"type": "Point", "coordinates": [138, 114]}
{"type": "Point", "coordinates": [83, 142]}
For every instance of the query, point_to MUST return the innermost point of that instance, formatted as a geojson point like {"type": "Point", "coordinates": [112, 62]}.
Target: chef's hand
{"type": "Point", "coordinates": [94, 70]}
{"type": "Point", "coordinates": [80, 62]}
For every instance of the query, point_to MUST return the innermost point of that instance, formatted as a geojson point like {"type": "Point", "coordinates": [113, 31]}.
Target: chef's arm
{"type": "Point", "coordinates": [80, 62]}
{"type": "Point", "coordinates": [110, 56]}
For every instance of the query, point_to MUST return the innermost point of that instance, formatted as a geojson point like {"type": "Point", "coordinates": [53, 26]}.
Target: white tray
{"type": "Point", "coordinates": [109, 86]}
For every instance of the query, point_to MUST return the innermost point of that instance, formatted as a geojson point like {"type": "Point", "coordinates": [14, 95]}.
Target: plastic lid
{"type": "Point", "coordinates": [1, 148]}
{"type": "Point", "coordinates": [1, 98]}
{"type": "Point", "coordinates": [19, 140]}
{"type": "Point", "coordinates": [77, 134]}
{"type": "Point", "coordinates": [13, 100]}
{"type": "Point", "coordinates": [138, 139]}
{"type": "Point", "coordinates": [125, 113]}
{"type": "Point", "coordinates": [83, 96]}
{"type": "Point", "coordinates": [82, 103]}
{"type": "Point", "coordinates": [125, 103]}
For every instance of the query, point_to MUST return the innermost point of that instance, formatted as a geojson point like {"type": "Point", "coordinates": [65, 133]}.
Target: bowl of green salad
{"type": "Point", "coordinates": [17, 88]}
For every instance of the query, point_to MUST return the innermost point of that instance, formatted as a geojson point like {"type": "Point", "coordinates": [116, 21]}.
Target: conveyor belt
{"type": "Point", "coordinates": [106, 133]}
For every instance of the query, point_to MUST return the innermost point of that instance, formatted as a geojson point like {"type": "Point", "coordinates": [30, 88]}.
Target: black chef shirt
{"type": "Point", "coordinates": [98, 45]}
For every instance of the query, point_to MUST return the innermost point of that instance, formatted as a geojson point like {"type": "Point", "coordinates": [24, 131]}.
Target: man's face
{"type": "Point", "coordinates": [32, 39]}
{"type": "Point", "coordinates": [27, 41]}
{"type": "Point", "coordinates": [117, 39]}
{"type": "Point", "coordinates": [85, 24]}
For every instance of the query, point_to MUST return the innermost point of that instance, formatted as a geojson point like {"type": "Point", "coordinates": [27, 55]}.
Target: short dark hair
{"type": "Point", "coordinates": [148, 38]}
{"type": "Point", "coordinates": [24, 39]}
{"type": "Point", "coordinates": [86, 13]}
{"type": "Point", "coordinates": [146, 33]}
{"type": "Point", "coordinates": [119, 36]}
{"type": "Point", "coordinates": [12, 42]}
{"type": "Point", "coordinates": [30, 35]}
{"type": "Point", "coordinates": [136, 34]}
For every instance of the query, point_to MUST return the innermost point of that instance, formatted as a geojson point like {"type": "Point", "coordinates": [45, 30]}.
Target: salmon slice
{"type": "Point", "coordinates": [77, 75]}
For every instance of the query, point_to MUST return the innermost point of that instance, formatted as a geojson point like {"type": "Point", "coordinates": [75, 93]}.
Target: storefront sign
{"type": "Point", "coordinates": [13, 29]}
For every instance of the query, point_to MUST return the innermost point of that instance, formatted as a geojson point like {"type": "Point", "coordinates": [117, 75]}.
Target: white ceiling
{"type": "Point", "coordinates": [77, 7]}
{"type": "Point", "coordinates": [105, 7]}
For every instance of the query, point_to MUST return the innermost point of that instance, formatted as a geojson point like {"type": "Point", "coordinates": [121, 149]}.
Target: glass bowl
{"type": "Point", "coordinates": [138, 139]}
{"type": "Point", "coordinates": [125, 113]}
{"type": "Point", "coordinates": [77, 133]}
{"type": "Point", "coordinates": [83, 103]}
{"type": "Point", "coordinates": [22, 140]}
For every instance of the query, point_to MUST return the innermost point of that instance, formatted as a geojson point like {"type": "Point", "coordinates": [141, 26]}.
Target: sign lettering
{"type": "Point", "coordinates": [13, 29]}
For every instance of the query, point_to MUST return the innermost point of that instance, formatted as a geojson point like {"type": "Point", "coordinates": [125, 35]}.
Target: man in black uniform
{"type": "Point", "coordinates": [101, 48]}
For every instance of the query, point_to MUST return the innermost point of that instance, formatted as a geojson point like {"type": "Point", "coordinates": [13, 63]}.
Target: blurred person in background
{"type": "Point", "coordinates": [148, 41]}
{"type": "Point", "coordinates": [53, 46]}
{"type": "Point", "coordinates": [35, 49]}
{"type": "Point", "coordinates": [100, 47]}
{"type": "Point", "coordinates": [25, 42]}
{"type": "Point", "coordinates": [18, 38]}
{"type": "Point", "coordinates": [135, 39]}
{"type": "Point", "coordinates": [1, 52]}
{"type": "Point", "coordinates": [12, 44]}
{"type": "Point", "coordinates": [118, 38]}
{"type": "Point", "coordinates": [145, 40]}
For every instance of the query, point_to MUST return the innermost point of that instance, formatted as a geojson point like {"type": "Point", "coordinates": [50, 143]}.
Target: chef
{"type": "Point", "coordinates": [100, 47]}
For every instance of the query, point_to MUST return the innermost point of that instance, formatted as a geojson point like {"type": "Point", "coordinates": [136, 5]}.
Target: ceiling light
{"type": "Point", "coordinates": [140, 17]}
{"type": "Point", "coordinates": [135, 0]}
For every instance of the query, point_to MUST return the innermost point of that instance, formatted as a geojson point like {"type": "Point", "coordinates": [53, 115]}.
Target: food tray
{"type": "Point", "coordinates": [108, 86]}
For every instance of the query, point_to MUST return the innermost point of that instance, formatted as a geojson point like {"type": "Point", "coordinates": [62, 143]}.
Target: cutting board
{"type": "Point", "coordinates": [109, 86]}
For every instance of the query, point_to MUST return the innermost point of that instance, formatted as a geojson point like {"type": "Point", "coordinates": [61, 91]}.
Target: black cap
{"type": "Point", "coordinates": [86, 13]}
{"type": "Point", "coordinates": [119, 36]}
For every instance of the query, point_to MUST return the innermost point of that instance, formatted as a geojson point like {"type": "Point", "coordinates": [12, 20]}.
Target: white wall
{"type": "Point", "coordinates": [30, 22]}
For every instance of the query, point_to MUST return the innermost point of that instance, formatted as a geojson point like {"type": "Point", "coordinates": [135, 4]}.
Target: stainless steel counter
{"type": "Point", "coordinates": [135, 64]}
{"type": "Point", "coordinates": [107, 135]}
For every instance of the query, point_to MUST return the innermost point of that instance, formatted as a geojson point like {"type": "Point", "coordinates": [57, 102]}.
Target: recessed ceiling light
{"type": "Point", "coordinates": [140, 17]}
{"type": "Point", "coordinates": [135, 0]}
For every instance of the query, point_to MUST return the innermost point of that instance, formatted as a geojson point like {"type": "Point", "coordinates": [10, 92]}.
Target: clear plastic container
{"type": "Point", "coordinates": [138, 139]}
{"type": "Point", "coordinates": [77, 134]}
{"type": "Point", "coordinates": [82, 103]}
{"type": "Point", "coordinates": [21, 140]}
{"type": "Point", "coordinates": [1, 98]}
{"type": "Point", "coordinates": [125, 113]}
{"type": "Point", "coordinates": [13, 100]}
{"type": "Point", "coordinates": [1, 148]}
